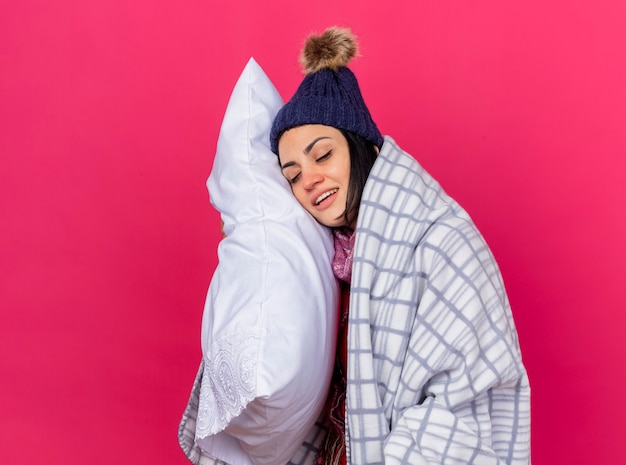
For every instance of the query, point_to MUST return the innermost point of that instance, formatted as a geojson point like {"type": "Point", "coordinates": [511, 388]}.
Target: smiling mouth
{"type": "Point", "coordinates": [325, 195]}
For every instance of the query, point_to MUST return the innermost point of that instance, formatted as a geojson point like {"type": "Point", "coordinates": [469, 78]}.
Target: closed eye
{"type": "Point", "coordinates": [325, 156]}
{"type": "Point", "coordinates": [294, 179]}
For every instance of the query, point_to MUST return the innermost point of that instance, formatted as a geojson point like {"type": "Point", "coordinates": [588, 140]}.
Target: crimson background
{"type": "Point", "coordinates": [110, 112]}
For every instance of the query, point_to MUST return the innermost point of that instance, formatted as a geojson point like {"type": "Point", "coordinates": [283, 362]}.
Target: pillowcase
{"type": "Point", "coordinates": [269, 323]}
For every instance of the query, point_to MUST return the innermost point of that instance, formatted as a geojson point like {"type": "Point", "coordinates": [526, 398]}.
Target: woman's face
{"type": "Point", "coordinates": [315, 159]}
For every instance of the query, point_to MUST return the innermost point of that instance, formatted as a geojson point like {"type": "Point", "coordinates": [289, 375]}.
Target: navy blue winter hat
{"type": "Point", "coordinates": [329, 93]}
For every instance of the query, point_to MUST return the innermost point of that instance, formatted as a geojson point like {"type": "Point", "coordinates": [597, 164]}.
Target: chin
{"type": "Point", "coordinates": [329, 219]}
{"type": "Point", "coordinates": [332, 223]}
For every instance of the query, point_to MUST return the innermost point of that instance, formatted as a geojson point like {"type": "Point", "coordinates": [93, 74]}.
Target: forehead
{"type": "Point", "coordinates": [301, 137]}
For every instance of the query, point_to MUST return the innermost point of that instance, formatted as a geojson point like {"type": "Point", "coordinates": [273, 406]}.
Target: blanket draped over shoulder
{"type": "Point", "coordinates": [434, 368]}
{"type": "Point", "coordinates": [435, 374]}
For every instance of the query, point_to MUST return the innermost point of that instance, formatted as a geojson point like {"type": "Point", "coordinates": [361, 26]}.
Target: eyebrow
{"type": "Point", "coordinates": [306, 151]}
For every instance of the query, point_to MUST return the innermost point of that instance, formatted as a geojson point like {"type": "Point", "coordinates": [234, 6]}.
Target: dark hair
{"type": "Point", "coordinates": [362, 157]}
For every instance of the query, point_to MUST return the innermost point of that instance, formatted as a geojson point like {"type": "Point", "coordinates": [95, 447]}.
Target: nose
{"type": "Point", "coordinates": [310, 178]}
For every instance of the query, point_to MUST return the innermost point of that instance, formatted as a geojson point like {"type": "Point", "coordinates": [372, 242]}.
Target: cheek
{"type": "Point", "coordinates": [342, 170]}
{"type": "Point", "coordinates": [300, 196]}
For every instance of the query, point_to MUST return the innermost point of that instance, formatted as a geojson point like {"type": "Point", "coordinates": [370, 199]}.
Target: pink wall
{"type": "Point", "coordinates": [110, 112]}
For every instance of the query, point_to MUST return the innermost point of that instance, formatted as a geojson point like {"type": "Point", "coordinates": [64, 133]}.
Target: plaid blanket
{"type": "Point", "coordinates": [434, 368]}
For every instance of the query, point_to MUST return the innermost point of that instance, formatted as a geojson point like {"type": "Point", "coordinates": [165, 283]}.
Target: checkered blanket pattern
{"type": "Point", "coordinates": [435, 374]}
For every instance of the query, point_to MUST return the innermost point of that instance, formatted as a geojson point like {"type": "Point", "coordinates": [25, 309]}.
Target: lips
{"type": "Point", "coordinates": [324, 196]}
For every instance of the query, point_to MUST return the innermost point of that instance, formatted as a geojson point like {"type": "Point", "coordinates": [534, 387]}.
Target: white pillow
{"type": "Point", "coordinates": [269, 324]}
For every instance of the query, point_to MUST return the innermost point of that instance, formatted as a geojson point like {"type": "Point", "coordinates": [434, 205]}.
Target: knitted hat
{"type": "Point", "coordinates": [329, 93]}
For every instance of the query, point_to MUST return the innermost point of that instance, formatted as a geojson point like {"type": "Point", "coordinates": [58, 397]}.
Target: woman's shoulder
{"type": "Point", "coordinates": [400, 185]}
{"type": "Point", "coordinates": [400, 191]}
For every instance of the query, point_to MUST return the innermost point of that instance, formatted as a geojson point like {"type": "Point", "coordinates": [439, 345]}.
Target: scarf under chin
{"type": "Point", "coordinates": [344, 246]}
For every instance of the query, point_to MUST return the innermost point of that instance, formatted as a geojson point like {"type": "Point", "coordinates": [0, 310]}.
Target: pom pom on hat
{"type": "Point", "coordinates": [329, 93]}
{"type": "Point", "coordinates": [333, 49]}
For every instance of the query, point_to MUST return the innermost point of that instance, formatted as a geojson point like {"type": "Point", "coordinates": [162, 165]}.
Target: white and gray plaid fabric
{"type": "Point", "coordinates": [435, 374]}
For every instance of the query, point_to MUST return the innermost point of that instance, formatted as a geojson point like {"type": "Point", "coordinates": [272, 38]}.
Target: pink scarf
{"type": "Point", "coordinates": [344, 246]}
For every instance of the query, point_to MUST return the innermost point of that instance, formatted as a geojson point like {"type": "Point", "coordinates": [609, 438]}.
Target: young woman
{"type": "Point", "coordinates": [428, 368]}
